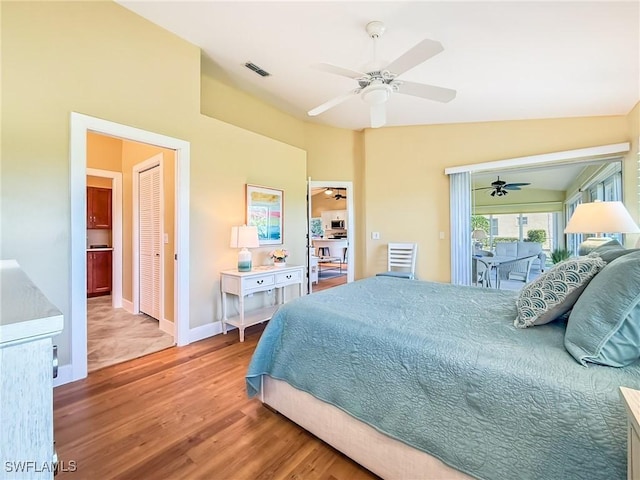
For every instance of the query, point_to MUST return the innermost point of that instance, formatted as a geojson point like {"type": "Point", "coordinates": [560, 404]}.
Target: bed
{"type": "Point", "coordinates": [417, 379]}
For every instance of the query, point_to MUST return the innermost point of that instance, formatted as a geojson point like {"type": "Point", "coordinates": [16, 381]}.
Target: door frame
{"type": "Point", "coordinates": [80, 125]}
{"type": "Point", "coordinates": [116, 231]}
{"type": "Point", "coordinates": [348, 186]}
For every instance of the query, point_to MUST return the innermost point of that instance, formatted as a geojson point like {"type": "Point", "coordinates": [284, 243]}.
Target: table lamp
{"type": "Point", "coordinates": [600, 217]}
{"type": "Point", "coordinates": [244, 237]}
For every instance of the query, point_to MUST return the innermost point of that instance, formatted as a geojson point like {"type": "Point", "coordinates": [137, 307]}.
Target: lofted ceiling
{"type": "Point", "coordinates": [506, 60]}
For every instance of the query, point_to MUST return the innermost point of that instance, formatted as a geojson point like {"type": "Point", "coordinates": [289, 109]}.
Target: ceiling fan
{"type": "Point", "coordinates": [500, 187]}
{"type": "Point", "coordinates": [377, 85]}
{"type": "Point", "coordinates": [339, 195]}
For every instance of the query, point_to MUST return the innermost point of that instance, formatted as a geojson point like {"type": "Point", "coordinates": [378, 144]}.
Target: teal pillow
{"type": "Point", "coordinates": [611, 254]}
{"type": "Point", "coordinates": [604, 325]}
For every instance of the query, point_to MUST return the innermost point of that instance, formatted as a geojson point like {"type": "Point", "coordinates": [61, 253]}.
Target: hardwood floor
{"type": "Point", "coordinates": [333, 279]}
{"type": "Point", "coordinates": [183, 413]}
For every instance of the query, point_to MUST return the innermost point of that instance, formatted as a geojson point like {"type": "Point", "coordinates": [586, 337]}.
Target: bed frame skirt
{"type": "Point", "coordinates": [382, 455]}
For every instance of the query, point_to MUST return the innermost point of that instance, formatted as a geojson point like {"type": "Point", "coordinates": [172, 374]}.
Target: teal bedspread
{"type": "Point", "coordinates": [441, 368]}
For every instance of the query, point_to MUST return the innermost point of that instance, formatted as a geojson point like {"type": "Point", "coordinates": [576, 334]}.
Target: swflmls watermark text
{"type": "Point", "coordinates": [30, 466]}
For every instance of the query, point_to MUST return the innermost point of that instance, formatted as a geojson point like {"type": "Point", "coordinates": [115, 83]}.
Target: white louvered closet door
{"type": "Point", "coordinates": [150, 241]}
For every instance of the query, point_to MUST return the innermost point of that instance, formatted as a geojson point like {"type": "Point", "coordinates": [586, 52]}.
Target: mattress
{"type": "Point", "coordinates": [442, 369]}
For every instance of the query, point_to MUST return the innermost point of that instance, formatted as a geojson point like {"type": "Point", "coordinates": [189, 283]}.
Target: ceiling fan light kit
{"type": "Point", "coordinates": [377, 86]}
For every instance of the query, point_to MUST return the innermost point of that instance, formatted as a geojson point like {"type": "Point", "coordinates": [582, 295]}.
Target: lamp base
{"type": "Point", "coordinates": [591, 243]}
{"type": "Point", "coordinates": [244, 260]}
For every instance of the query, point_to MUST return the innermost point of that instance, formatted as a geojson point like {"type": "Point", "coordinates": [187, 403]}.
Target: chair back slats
{"type": "Point", "coordinates": [403, 256]}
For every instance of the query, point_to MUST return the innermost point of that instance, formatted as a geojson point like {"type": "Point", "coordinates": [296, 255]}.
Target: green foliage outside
{"type": "Point", "coordinates": [537, 236]}
{"type": "Point", "coordinates": [559, 255]}
{"type": "Point", "coordinates": [503, 239]}
{"type": "Point", "coordinates": [478, 222]}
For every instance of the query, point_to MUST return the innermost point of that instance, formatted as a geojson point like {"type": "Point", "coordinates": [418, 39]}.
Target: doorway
{"type": "Point", "coordinates": [116, 334]}
{"type": "Point", "coordinates": [80, 126]}
{"type": "Point", "coordinates": [331, 234]}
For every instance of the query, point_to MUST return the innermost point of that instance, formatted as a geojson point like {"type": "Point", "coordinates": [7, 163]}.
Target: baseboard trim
{"type": "Point", "coordinates": [206, 331]}
{"type": "Point", "coordinates": [65, 375]}
{"type": "Point", "coordinates": [127, 305]}
{"type": "Point", "coordinates": [167, 326]}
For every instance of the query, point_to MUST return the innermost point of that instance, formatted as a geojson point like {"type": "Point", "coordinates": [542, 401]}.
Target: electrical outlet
{"type": "Point", "coordinates": [375, 235]}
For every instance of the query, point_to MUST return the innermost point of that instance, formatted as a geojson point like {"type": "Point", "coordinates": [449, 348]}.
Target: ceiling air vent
{"type": "Point", "coordinates": [257, 69]}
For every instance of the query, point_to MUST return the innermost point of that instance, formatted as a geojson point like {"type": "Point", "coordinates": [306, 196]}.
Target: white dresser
{"type": "Point", "coordinates": [28, 321]}
{"type": "Point", "coordinates": [632, 404]}
{"type": "Point", "coordinates": [260, 279]}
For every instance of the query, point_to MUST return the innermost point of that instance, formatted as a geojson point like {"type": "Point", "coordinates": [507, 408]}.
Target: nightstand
{"type": "Point", "coordinates": [632, 404]}
{"type": "Point", "coordinates": [260, 279]}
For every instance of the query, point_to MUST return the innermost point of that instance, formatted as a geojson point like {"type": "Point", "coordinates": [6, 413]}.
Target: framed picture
{"type": "Point", "coordinates": [265, 210]}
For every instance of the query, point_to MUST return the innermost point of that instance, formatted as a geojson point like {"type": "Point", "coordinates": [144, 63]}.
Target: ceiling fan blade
{"type": "Point", "coordinates": [415, 56]}
{"type": "Point", "coordinates": [511, 187]}
{"type": "Point", "coordinates": [431, 92]}
{"type": "Point", "coordinates": [343, 72]}
{"type": "Point", "coordinates": [330, 104]}
{"type": "Point", "coordinates": [517, 184]}
{"type": "Point", "coordinates": [378, 115]}
{"type": "Point", "coordinates": [484, 188]}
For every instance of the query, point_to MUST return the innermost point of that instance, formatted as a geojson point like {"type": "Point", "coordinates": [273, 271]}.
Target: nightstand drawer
{"type": "Point", "coordinates": [259, 282]}
{"type": "Point", "coordinates": [287, 278]}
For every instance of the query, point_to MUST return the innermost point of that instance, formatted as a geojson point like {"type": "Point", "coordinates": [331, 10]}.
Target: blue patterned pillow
{"type": "Point", "coordinates": [555, 291]}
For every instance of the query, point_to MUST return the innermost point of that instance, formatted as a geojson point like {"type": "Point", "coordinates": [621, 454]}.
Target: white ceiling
{"type": "Point", "coordinates": [507, 60]}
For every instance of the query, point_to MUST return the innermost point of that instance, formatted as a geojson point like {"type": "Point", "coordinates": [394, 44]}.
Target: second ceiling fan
{"type": "Point", "coordinates": [377, 85]}
{"type": "Point", "coordinates": [501, 188]}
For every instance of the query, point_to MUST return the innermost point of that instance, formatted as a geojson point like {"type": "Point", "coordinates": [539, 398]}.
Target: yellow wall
{"type": "Point", "coordinates": [104, 153]}
{"type": "Point", "coordinates": [100, 59]}
{"type": "Point", "coordinates": [101, 182]}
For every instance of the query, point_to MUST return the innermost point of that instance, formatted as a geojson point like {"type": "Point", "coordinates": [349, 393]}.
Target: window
{"type": "Point", "coordinates": [573, 239]}
{"type": "Point", "coordinates": [520, 221]}
{"type": "Point", "coordinates": [493, 226]}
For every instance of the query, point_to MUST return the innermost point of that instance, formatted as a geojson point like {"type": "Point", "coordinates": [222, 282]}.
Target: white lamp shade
{"type": "Point", "coordinates": [479, 234]}
{"type": "Point", "coordinates": [601, 217]}
{"type": "Point", "coordinates": [244, 237]}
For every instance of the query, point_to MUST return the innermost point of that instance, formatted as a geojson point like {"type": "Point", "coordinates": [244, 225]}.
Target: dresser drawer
{"type": "Point", "coordinates": [285, 278]}
{"type": "Point", "coordinates": [259, 282]}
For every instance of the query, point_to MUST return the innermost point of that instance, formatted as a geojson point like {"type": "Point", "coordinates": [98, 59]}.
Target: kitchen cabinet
{"type": "Point", "coordinates": [99, 273]}
{"type": "Point", "coordinates": [98, 208]}
{"type": "Point", "coordinates": [329, 215]}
